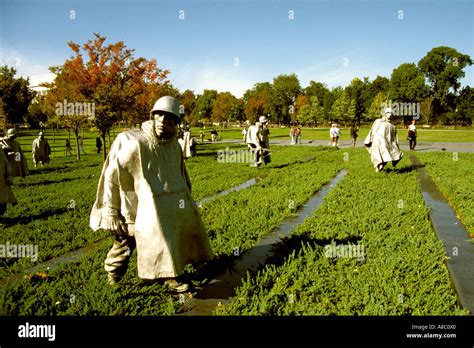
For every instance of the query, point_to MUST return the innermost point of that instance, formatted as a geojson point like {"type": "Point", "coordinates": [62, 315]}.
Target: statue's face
{"type": "Point", "coordinates": [165, 125]}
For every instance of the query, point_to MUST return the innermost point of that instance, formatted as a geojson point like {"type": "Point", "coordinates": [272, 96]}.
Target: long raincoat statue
{"type": "Point", "coordinates": [382, 142]}
{"type": "Point", "coordinates": [144, 198]}
{"type": "Point", "coordinates": [14, 153]}
{"type": "Point", "coordinates": [40, 150]}
{"type": "Point", "coordinates": [6, 180]}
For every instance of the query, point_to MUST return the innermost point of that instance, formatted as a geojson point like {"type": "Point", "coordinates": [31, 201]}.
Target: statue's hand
{"type": "Point", "coordinates": [115, 224]}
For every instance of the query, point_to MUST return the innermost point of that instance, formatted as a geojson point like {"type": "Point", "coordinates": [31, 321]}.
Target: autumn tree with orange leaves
{"type": "Point", "coordinates": [120, 86]}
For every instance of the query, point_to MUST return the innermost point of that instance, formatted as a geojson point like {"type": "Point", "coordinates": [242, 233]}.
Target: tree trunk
{"type": "Point", "coordinates": [78, 152]}
{"type": "Point", "coordinates": [105, 147]}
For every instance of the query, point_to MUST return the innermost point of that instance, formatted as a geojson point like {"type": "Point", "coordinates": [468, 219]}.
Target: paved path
{"type": "Point", "coordinates": [421, 146]}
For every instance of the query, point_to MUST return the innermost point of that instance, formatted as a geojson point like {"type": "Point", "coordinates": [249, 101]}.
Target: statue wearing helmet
{"type": "Point", "coordinates": [258, 141]}
{"type": "Point", "coordinates": [382, 142]}
{"type": "Point", "coordinates": [12, 149]}
{"type": "Point", "coordinates": [144, 199]}
{"type": "Point", "coordinates": [40, 150]}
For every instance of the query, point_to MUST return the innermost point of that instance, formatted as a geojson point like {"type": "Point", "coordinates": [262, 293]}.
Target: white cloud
{"type": "Point", "coordinates": [229, 79]}
{"type": "Point", "coordinates": [24, 65]}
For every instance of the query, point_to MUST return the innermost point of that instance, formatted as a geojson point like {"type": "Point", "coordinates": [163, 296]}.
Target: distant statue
{"type": "Point", "coordinates": [186, 142]}
{"type": "Point", "coordinates": [98, 144]}
{"type": "Point", "coordinates": [382, 142]}
{"type": "Point", "coordinates": [12, 149]}
{"type": "Point", "coordinates": [40, 150]}
{"type": "Point", "coordinates": [6, 180]}
{"type": "Point", "coordinates": [144, 199]}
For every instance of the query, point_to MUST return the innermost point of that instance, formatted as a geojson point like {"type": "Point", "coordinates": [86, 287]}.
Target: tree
{"type": "Point", "coordinates": [285, 90]}
{"type": "Point", "coordinates": [301, 101]}
{"type": "Point", "coordinates": [376, 107]}
{"type": "Point", "coordinates": [465, 105]}
{"type": "Point", "coordinates": [443, 68]}
{"type": "Point", "coordinates": [188, 100]}
{"type": "Point", "coordinates": [112, 80]}
{"type": "Point", "coordinates": [311, 112]}
{"type": "Point", "coordinates": [15, 96]}
{"type": "Point", "coordinates": [203, 109]}
{"type": "Point", "coordinates": [257, 101]}
{"type": "Point", "coordinates": [358, 91]}
{"type": "Point", "coordinates": [223, 106]}
{"type": "Point", "coordinates": [37, 114]}
{"type": "Point", "coordinates": [407, 84]}
{"type": "Point", "coordinates": [340, 108]}
{"type": "Point", "coordinates": [317, 89]}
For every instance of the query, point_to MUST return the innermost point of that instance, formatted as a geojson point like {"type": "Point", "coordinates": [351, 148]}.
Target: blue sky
{"type": "Point", "coordinates": [231, 45]}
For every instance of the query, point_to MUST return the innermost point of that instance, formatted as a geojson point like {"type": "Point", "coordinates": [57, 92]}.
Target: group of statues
{"type": "Point", "coordinates": [144, 192]}
{"type": "Point", "coordinates": [13, 163]}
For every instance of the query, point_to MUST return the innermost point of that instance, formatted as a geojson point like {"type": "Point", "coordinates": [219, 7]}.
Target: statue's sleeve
{"type": "Point", "coordinates": [111, 194]}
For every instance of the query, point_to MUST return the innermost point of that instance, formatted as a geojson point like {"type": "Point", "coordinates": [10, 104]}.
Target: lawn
{"type": "Point", "coordinates": [397, 265]}
{"type": "Point", "coordinates": [402, 271]}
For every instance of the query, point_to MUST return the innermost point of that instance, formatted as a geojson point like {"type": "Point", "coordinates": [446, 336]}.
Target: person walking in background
{"type": "Point", "coordinates": [244, 135]}
{"type": "Point", "coordinates": [264, 137]}
{"type": "Point", "coordinates": [98, 144]}
{"type": "Point", "coordinates": [334, 133]}
{"type": "Point", "coordinates": [382, 142]}
{"type": "Point", "coordinates": [214, 135]}
{"type": "Point", "coordinates": [292, 135]}
{"type": "Point", "coordinates": [40, 150]}
{"type": "Point", "coordinates": [81, 145]}
{"type": "Point", "coordinates": [201, 135]}
{"type": "Point", "coordinates": [13, 152]}
{"type": "Point", "coordinates": [354, 131]}
{"type": "Point", "coordinates": [68, 148]}
{"type": "Point", "coordinates": [298, 134]}
{"type": "Point", "coordinates": [412, 134]}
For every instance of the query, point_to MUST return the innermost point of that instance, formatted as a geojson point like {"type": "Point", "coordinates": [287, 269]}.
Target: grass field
{"type": "Point", "coordinates": [424, 135]}
{"type": "Point", "coordinates": [402, 273]}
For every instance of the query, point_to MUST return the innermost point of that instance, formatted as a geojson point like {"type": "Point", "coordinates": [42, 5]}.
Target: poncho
{"type": "Point", "coordinates": [146, 180]}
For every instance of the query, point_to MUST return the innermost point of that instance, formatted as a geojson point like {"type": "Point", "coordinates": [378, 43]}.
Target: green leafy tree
{"type": "Point", "coordinates": [15, 96]}
{"type": "Point", "coordinates": [358, 91]}
{"type": "Point", "coordinates": [376, 107]}
{"type": "Point", "coordinates": [443, 67]}
{"type": "Point", "coordinates": [203, 108]}
{"type": "Point", "coordinates": [311, 112]}
{"type": "Point", "coordinates": [407, 84]}
{"type": "Point", "coordinates": [340, 108]}
{"type": "Point", "coordinates": [285, 90]}
{"type": "Point", "coordinates": [465, 106]}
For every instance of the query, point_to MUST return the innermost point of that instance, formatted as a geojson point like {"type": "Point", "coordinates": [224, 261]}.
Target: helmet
{"type": "Point", "coordinates": [11, 132]}
{"type": "Point", "coordinates": [388, 111]}
{"type": "Point", "coordinates": [262, 119]}
{"type": "Point", "coordinates": [41, 133]}
{"type": "Point", "coordinates": [167, 104]}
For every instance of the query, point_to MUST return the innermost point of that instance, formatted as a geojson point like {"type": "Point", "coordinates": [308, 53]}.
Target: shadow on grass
{"type": "Point", "coordinates": [23, 220]}
{"type": "Point", "coordinates": [44, 183]}
{"type": "Point", "coordinates": [295, 244]}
